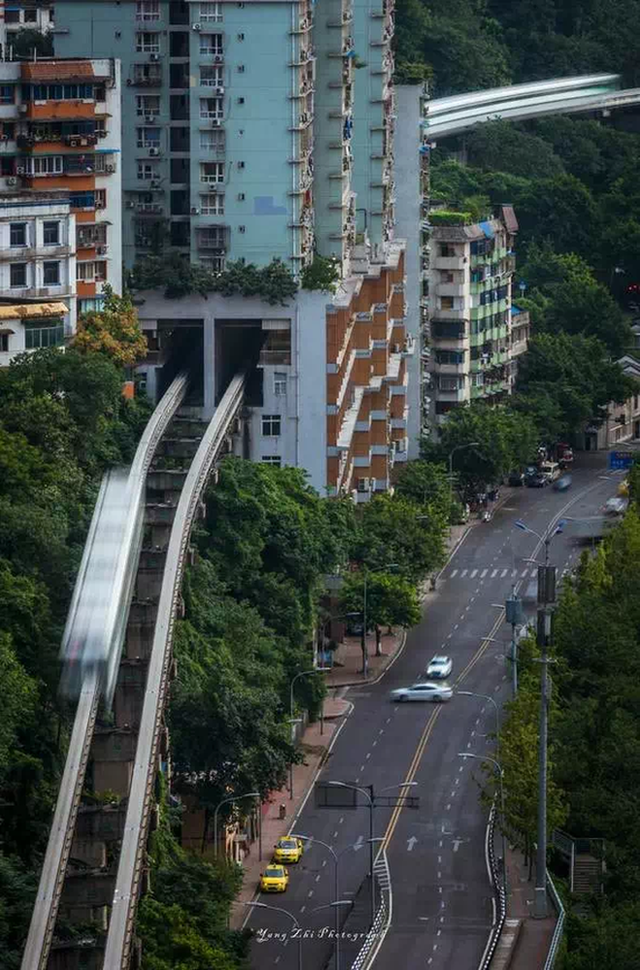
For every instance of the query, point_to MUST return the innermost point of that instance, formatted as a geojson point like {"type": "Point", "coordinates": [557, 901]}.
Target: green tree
{"type": "Point", "coordinates": [113, 331]}
{"type": "Point", "coordinates": [392, 529]}
{"type": "Point", "coordinates": [427, 484]}
{"type": "Point", "coordinates": [391, 601]}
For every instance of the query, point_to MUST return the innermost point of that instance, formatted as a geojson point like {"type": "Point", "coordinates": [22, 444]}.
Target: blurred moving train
{"type": "Point", "coordinates": [94, 633]}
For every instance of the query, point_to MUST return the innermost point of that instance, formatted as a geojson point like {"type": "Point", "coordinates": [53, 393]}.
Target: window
{"type": "Point", "coordinates": [446, 303]}
{"type": "Point", "coordinates": [212, 204]}
{"type": "Point", "coordinates": [211, 108]}
{"type": "Point", "coordinates": [146, 171]}
{"type": "Point", "coordinates": [101, 198]}
{"type": "Point", "coordinates": [101, 271]}
{"type": "Point", "coordinates": [49, 335]}
{"type": "Point", "coordinates": [148, 74]}
{"type": "Point", "coordinates": [271, 425]}
{"type": "Point", "coordinates": [148, 43]}
{"type": "Point", "coordinates": [215, 264]}
{"type": "Point", "coordinates": [51, 233]}
{"type": "Point", "coordinates": [18, 234]}
{"type": "Point", "coordinates": [18, 274]}
{"type": "Point", "coordinates": [147, 104]}
{"type": "Point", "coordinates": [363, 485]}
{"type": "Point", "coordinates": [272, 460]}
{"type": "Point", "coordinates": [449, 384]}
{"type": "Point", "coordinates": [4, 343]}
{"type": "Point", "coordinates": [57, 92]}
{"type": "Point", "coordinates": [212, 172]}
{"type": "Point", "coordinates": [44, 165]}
{"type": "Point", "coordinates": [51, 273]}
{"type": "Point", "coordinates": [210, 13]}
{"type": "Point", "coordinates": [212, 237]}
{"type": "Point", "coordinates": [84, 271]}
{"type": "Point", "coordinates": [7, 93]}
{"type": "Point", "coordinates": [82, 200]}
{"type": "Point", "coordinates": [212, 141]}
{"type": "Point", "coordinates": [212, 76]}
{"type": "Point", "coordinates": [148, 137]}
{"type": "Point", "coordinates": [90, 304]}
{"type": "Point", "coordinates": [276, 348]}
{"type": "Point", "coordinates": [148, 10]}
{"type": "Point", "coordinates": [31, 16]}
{"type": "Point", "coordinates": [210, 44]}
{"type": "Point", "coordinates": [446, 251]}
{"type": "Point", "coordinates": [280, 384]}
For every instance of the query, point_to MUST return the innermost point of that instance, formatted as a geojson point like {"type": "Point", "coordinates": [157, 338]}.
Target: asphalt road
{"type": "Point", "coordinates": [441, 894]}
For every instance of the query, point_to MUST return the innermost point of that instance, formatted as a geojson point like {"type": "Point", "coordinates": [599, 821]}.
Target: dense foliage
{"type": "Point", "coordinates": [472, 44]}
{"type": "Point", "coordinates": [113, 332]}
{"type": "Point", "coordinates": [273, 283]}
{"type": "Point", "coordinates": [63, 420]}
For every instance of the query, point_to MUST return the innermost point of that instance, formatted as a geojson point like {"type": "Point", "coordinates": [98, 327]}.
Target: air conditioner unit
{"type": "Point", "coordinates": [219, 90]}
{"type": "Point", "coordinates": [22, 108]}
{"type": "Point", "coordinates": [21, 170]}
{"type": "Point", "coordinates": [109, 169]}
{"type": "Point", "coordinates": [195, 211]}
{"type": "Point", "coordinates": [196, 27]}
{"type": "Point", "coordinates": [215, 122]}
{"type": "Point", "coordinates": [154, 151]}
{"type": "Point", "coordinates": [155, 183]}
{"type": "Point", "coordinates": [150, 119]}
{"type": "Point", "coordinates": [4, 138]}
{"type": "Point", "coordinates": [218, 58]}
{"type": "Point", "coordinates": [154, 57]}
{"type": "Point", "coordinates": [129, 82]}
{"type": "Point", "coordinates": [12, 180]}
{"type": "Point", "coordinates": [130, 205]}
{"type": "Point", "coordinates": [73, 142]}
{"type": "Point", "coordinates": [101, 250]}
{"type": "Point", "coordinates": [241, 197]}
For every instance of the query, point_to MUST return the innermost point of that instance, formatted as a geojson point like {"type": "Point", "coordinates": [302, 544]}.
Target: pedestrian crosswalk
{"type": "Point", "coordinates": [497, 573]}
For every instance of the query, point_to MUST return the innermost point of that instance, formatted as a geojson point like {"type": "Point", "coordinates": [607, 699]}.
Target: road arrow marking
{"type": "Point", "coordinates": [410, 843]}
{"type": "Point", "coordinates": [359, 844]}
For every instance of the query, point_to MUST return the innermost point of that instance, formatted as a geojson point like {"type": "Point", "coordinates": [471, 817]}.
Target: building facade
{"type": "Point", "coordinates": [60, 163]}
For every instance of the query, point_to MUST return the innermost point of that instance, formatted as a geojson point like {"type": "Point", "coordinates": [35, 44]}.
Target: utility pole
{"type": "Point", "coordinates": [546, 600]}
{"type": "Point", "coordinates": [514, 615]}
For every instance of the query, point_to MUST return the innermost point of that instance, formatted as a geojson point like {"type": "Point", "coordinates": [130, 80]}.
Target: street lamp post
{"type": "Point", "coordinates": [546, 597]}
{"type": "Point", "coordinates": [296, 924]}
{"type": "Point", "coordinates": [486, 697]}
{"type": "Point", "coordinates": [302, 673]}
{"type": "Point", "coordinates": [500, 772]}
{"type": "Point", "coordinates": [365, 658]}
{"type": "Point", "coordinates": [469, 444]}
{"type": "Point", "coordinates": [369, 795]}
{"type": "Point", "coordinates": [225, 801]}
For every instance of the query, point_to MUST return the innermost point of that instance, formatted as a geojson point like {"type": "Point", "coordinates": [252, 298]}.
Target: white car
{"type": "Point", "coordinates": [439, 668]}
{"type": "Point", "coordinates": [422, 692]}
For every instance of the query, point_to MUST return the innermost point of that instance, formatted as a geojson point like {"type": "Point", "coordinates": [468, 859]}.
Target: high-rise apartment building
{"type": "Point", "coordinates": [262, 129]}
{"type": "Point", "coordinates": [27, 15]}
{"type": "Point", "coordinates": [60, 198]}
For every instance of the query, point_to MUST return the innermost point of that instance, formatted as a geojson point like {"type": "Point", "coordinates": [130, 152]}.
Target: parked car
{"type": "Point", "coordinates": [563, 483]}
{"type": "Point", "coordinates": [537, 480]}
{"type": "Point", "coordinates": [422, 692]}
{"type": "Point", "coordinates": [516, 479]}
{"type": "Point", "coordinates": [288, 850]}
{"type": "Point", "coordinates": [440, 667]}
{"type": "Point", "coordinates": [550, 469]}
{"type": "Point", "coordinates": [274, 879]}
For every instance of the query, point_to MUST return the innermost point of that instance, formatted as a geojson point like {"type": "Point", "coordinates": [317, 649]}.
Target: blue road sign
{"type": "Point", "coordinates": [620, 459]}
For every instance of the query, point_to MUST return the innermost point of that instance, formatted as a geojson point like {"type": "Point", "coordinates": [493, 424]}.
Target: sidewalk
{"type": "Point", "coordinates": [534, 938]}
{"type": "Point", "coordinates": [347, 659]}
{"type": "Point", "coordinates": [316, 741]}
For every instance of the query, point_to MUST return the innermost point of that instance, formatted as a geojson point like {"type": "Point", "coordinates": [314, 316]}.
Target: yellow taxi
{"type": "Point", "coordinates": [288, 849]}
{"type": "Point", "coordinates": [274, 879]}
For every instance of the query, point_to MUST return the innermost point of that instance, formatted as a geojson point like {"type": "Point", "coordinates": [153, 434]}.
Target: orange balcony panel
{"type": "Point", "coordinates": [396, 308]}
{"type": "Point", "coordinates": [379, 433]}
{"type": "Point", "coordinates": [85, 216]}
{"type": "Point", "coordinates": [54, 110]}
{"type": "Point", "coordinates": [85, 289]}
{"type": "Point", "coordinates": [360, 445]}
{"type": "Point", "coordinates": [332, 428]}
{"type": "Point", "coordinates": [86, 253]}
{"type": "Point", "coordinates": [332, 471]}
{"type": "Point", "coordinates": [379, 466]}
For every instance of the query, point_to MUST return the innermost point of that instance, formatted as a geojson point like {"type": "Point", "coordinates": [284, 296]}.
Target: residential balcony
{"type": "Point", "coordinates": [451, 289]}
{"type": "Point", "coordinates": [461, 314]}
{"type": "Point", "coordinates": [518, 348]}
{"type": "Point", "coordinates": [449, 262]}
{"type": "Point", "coordinates": [458, 394]}
{"type": "Point", "coordinates": [453, 369]}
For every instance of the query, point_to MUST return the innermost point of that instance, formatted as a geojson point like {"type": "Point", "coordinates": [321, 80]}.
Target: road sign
{"type": "Point", "coordinates": [620, 459]}
{"type": "Point", "coordinates": [334, 796]}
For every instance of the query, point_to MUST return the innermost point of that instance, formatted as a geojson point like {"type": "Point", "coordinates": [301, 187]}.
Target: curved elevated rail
{"type": "Point", "coordinates": [130, 866]}
{"type": "Point", "coordinates": [459, 113]}
{"type": "Point", "coordinates": [61, 836]}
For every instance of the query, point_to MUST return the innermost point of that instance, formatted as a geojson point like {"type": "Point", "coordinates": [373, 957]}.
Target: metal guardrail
{"type": "Point", "coordinates": [500, 896]}
{"type": "Point", "coordinates": [558, 932]}
{"type": "Point", "coordinates": [382, 919]}
{"type": "Point", "coordinates": [139, 807]}
{"type": "Point", "coordinates": [54, 867]}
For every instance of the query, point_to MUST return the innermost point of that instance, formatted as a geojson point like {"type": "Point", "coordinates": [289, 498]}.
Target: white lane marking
{"type": "Point", "coordinates": [524, 573]}
{"type": "Point", "coordinates": [478, 590]}
{"type": "Point", "coordinates": [477, 720]}
{"type": "Point", "coordinates": [453, 794]}
{"type": "Point", "coordinates": [448, 806]}
{"type": "Point", "coordinates": [439, 889]}
{"type": "Point", "coordinates": [362, 767]}
{"type": "Point", "coordinates": [503, 573]}
{"type": "Point", "coordinates": [277, 959]}
{"type": "Point", "coordinates": [482, 710]}
{"type": "Point", "coordinates": [335, 834]}
{"type": "Point", "coordinates": [473, 733]}
{"type": "Point", "coordinates": [324, 862]}
{"type": "Point", "coordinates": [367, 756]}
{"type": "Point", "coordinates": [435, 946]}
{"type": "Point", "coordinates": [439, 875]}
{"type": "Point", "coordinates": [439, 858]}
{"type": "Point", "coordinates": [497, 687]}
{"type": "Point", "coordinates": [494, 573]}
{"type": "Point", "coordinates": [463, 573]}
{"type": "Point", "coordinates": [430, 960]}
{"type": "Point", "coordinates": [514, 573]}
{"type": "Point", "coordinates": [440, 843]}
{"type": "Point", "coordinates": [454, 573]}
{"type": "Point", "coordinates": [388, 720]}
{"type": "Point", "coordinates": [439, 932]}
{"type": "Point", "coordinates": [472, 599]}
{"type": "Point", "coordinates": [310, 893]}
{"type": "Point", "coordinates": [468, 744]}
{"type": "Point", "coordinates": [457, 781]}
{"type": "Point", "coordinates": [460, 768]}
{"type": "Point", "coordinates": [357, 779]}
{"type": "Point", "coordinates": [456, 625]}
{"type": "Point", "coordinates": [381, 731]}
{"type": "Point", "coordinates": [483, 573]}
{"type": "Point", "coordinates": [318, 878]}
{"type": "Point", "coordinates": [473, 574]}
{"type": "Point", "coordinates": [442, 919]}
{"type": "Point", "coordinates": [449, 635]}
{"type": "Point", "coordinates": [341, 820]}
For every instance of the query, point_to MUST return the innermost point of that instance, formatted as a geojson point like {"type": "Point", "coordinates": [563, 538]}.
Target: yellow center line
{"type": "Point", "coordinates": [428, 730]}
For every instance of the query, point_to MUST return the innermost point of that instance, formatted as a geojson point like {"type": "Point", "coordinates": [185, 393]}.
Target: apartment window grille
{"type": "Point", "coordinates": [18, 234]}
{"type": "Point", "coordinates": [7, 93]}
{"type": "Point", "coordinates": [212, 172]}
{"type": "Point", "coordinates": [51, 233]}
{"type": "Point", "coordinates": [148, 10]}
{"type": "Point", "coordinates": [146, 172]}
{"type": "Point", "coordinates": [4, 343]}
{"type": "Point", "coordinates": [212, 108]}
{"type": "Point", "coordinates": [446, 302]}
{"type": "Point", "coordinates": [446, 251]}
{"type": "Point", "coordinates": [82, 200]}
{"type": "Point", "coordinates": [271, 425]}
{"type": "Point", "coordinates": [49, 335]}
{"type": "Point", "coordinates": [44, 165]}
{"type": "Point", "coordinates": [212, 204]}
{"type": "Point", "coordinates": [85, 272]}
{"type": "Point", "coordinates": [51, 273]}
{"type": "Point", "coordinates": [212, 141]}
{"type": "Point", "coordinates": [18, 275]}
{"type": "Point", "coordinates": [212, 237]}
{"type": "Point", "coordinates": [57, 92]}
{"type": "Point", "coordinates": [215, 264]}
{"type": "Point", "coordinates": [147, 104]}
{"type": "Point", "coordinates": [101, 198]}
{"type": "Point", "coordinates": [210, 44]}
{"type": "Point", "coordinates": [148, 137]}
{"type": "Point", "coordinates": [147, 43]}
{"type": "Point", "coordinates": [211, 76]}
{"type": "Point", "coordinates": [275, 460]}
{"type": "Point", "coordinates": [210, 13]}
{"type": "Point", "coordinates": [279, 384]}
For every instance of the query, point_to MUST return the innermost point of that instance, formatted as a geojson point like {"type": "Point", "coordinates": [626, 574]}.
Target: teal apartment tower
{"type": "Point", "coordinates": [251, 130]}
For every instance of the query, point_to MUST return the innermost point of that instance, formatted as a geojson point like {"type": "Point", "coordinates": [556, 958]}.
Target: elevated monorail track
{"type": "Point", "coordinates": [94, 862]}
